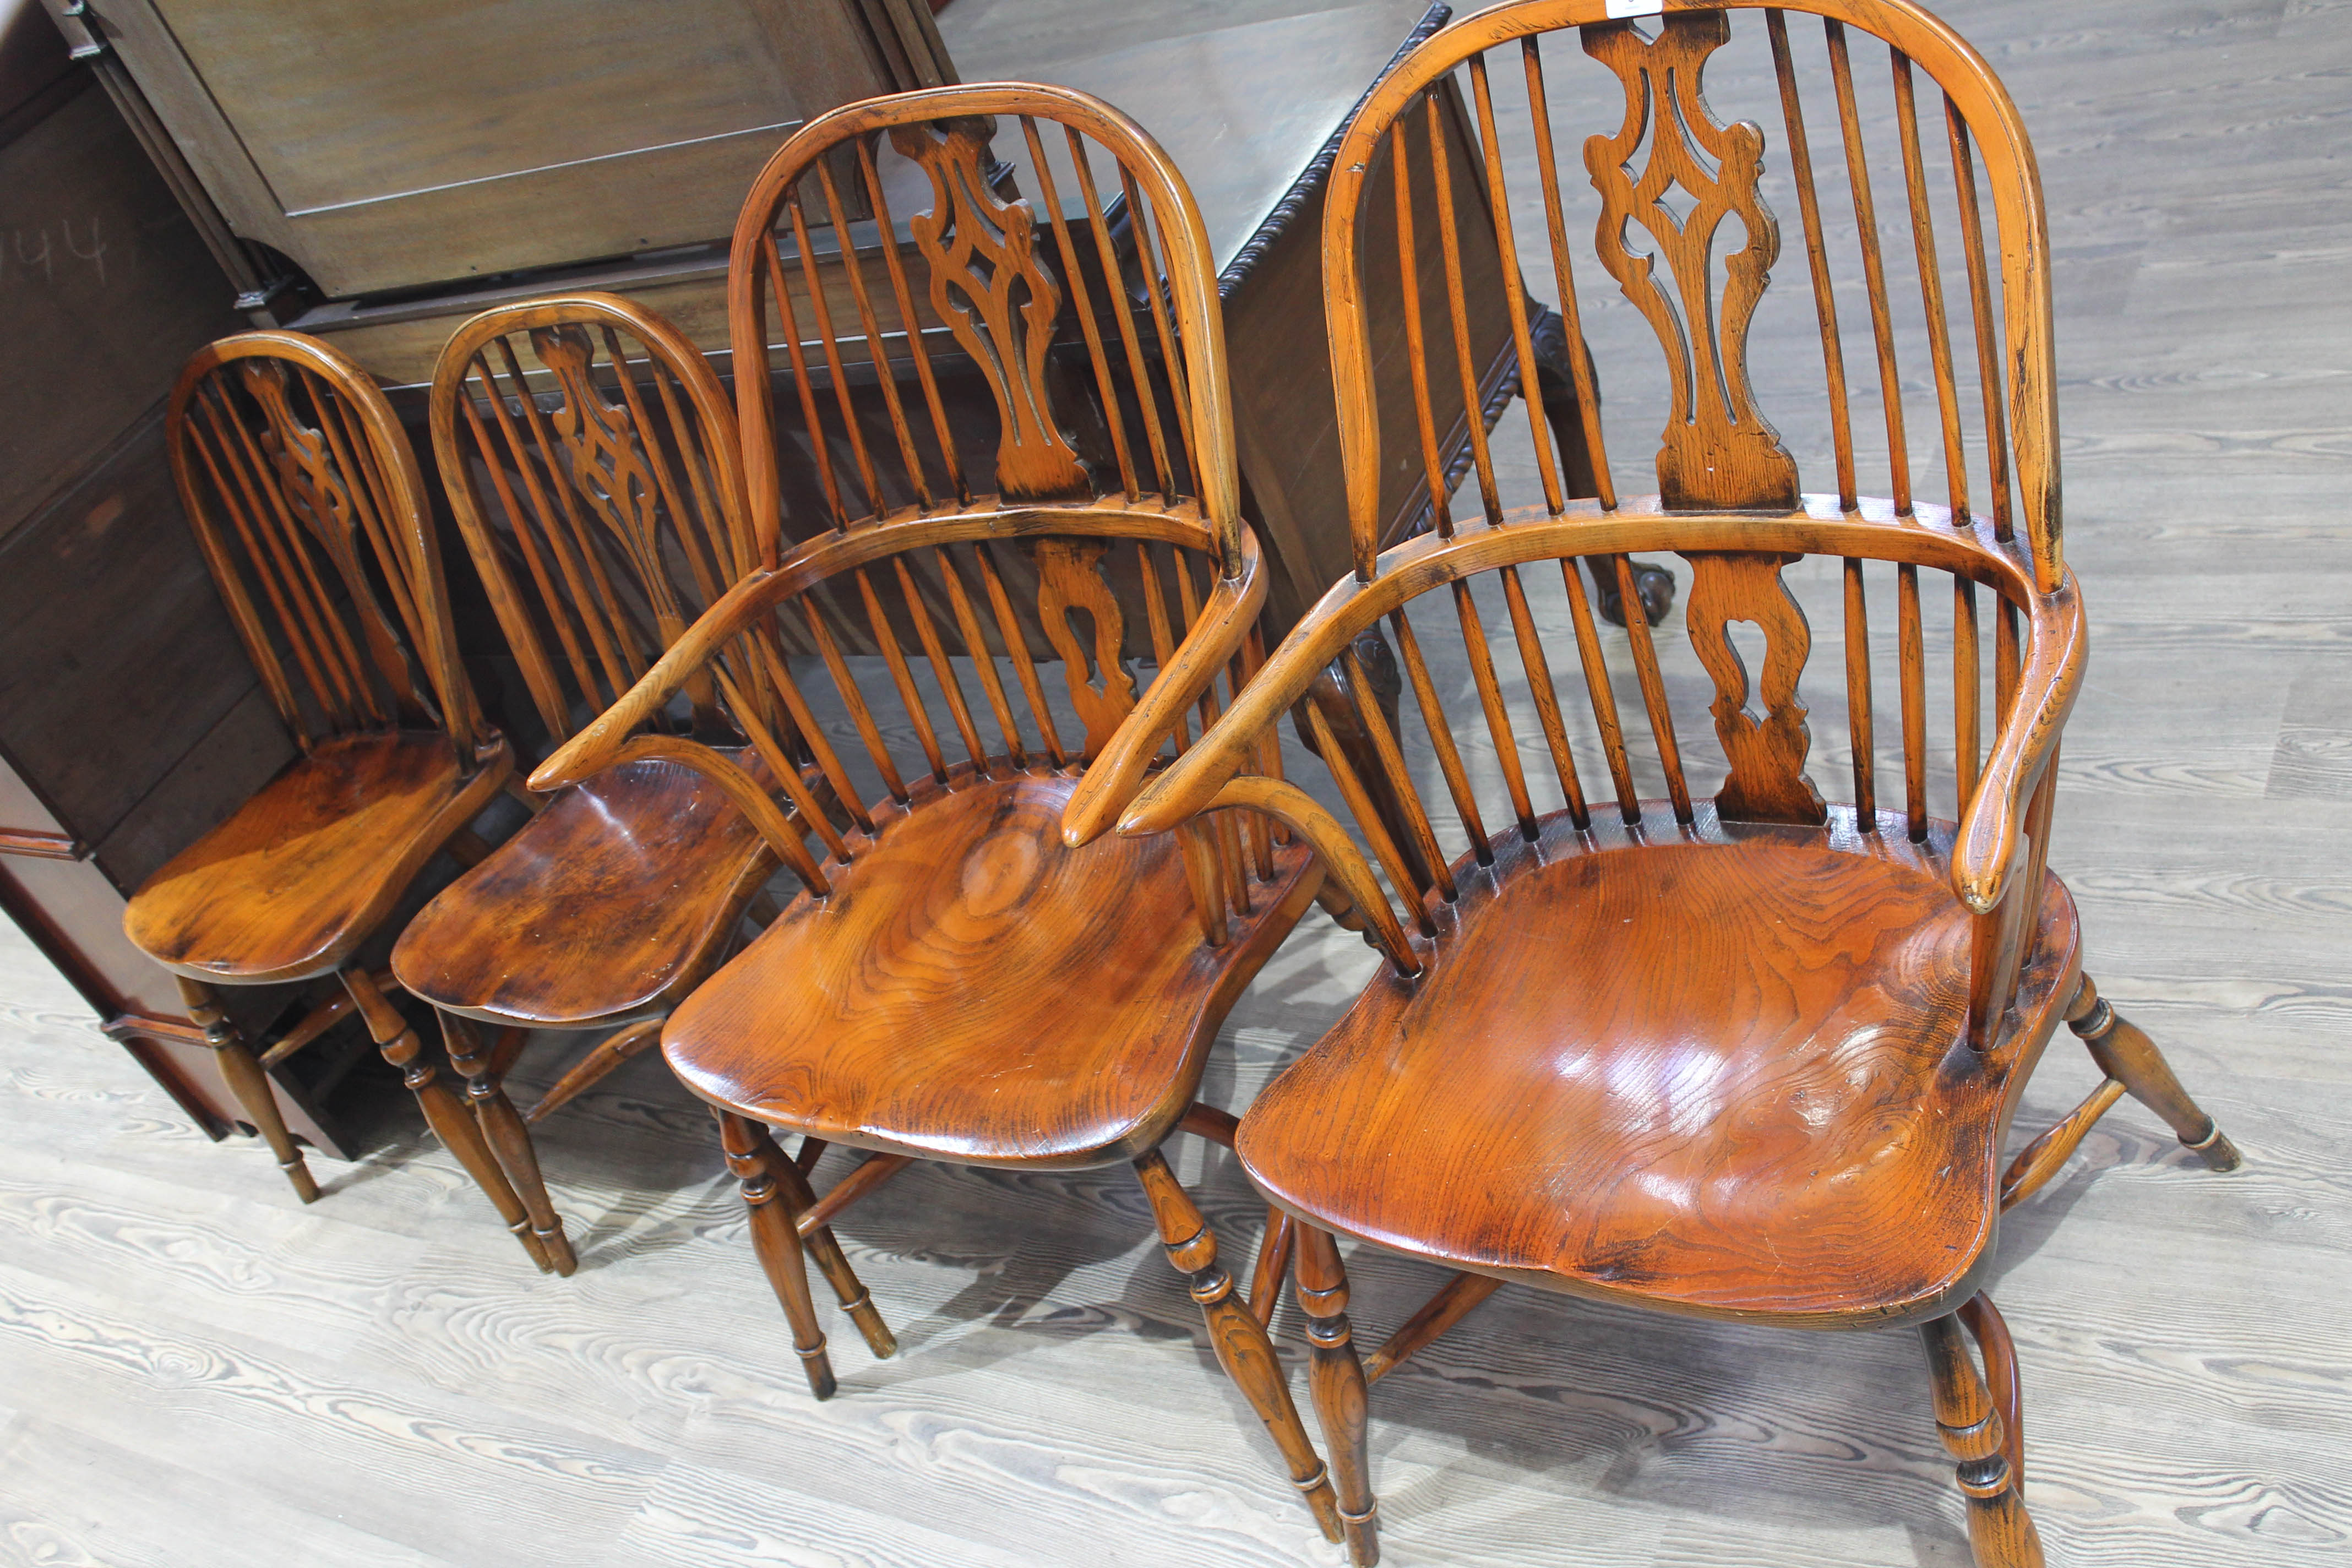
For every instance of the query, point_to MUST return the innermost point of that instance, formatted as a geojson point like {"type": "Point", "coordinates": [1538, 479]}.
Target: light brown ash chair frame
{"type": "Point", "coordinates": [307, 504]}
{"type": "Point", "coordinates": [591, 457]}
{"type": "Point", "coordinates": [1753, 1056]}
{"type": "Point", "coordinates": [952, 984]}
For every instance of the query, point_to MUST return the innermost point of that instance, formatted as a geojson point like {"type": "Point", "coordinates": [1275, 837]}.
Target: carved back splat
{"type": "Point", "coordinates": [1718, 451]}
{"type": "Point", "coordinates": [1069, 577]}
{"type": "Point", "coordinates": [306, 501]}
{"type": "Point", "coordinates": [1767, 781]}
{"type": "Point", "coordinates": [600, 502]}
{"type": "Point", "coordinates": [998, 297]}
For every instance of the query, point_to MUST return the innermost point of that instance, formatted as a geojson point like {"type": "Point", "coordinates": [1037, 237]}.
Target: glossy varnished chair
{"type": "Point", "coordinates": [306, 503]}
{"type": "Point", "coordinates": [589, 455]}
{"type": "Point", "coordinates": [1751, 1056]}
{"type": "Point", "coordinates": [952, 984]}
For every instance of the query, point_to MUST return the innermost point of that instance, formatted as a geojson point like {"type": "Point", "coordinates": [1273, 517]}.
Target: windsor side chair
{"type": "Point", "coordinates": [1751, 1056]}
{"type": "Point", "coordinates": [952, 983]}
{"type": "Point", "coordinates": [591, 458]}
{"type": "Point", "coordinates": [307, 504]}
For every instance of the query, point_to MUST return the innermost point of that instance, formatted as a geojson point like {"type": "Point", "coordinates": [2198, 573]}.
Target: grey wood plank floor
{"type": "Point", "coordinates": [194, 1371]}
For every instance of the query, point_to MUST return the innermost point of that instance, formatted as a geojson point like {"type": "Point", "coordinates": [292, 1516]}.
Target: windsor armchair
{"type": "Point", "coordinates": [952, 983]}
{"type": "Point", "coordinates": [307, 504]}
{"type": "Point", "coordinates": [1751, 1056]}
{"type": "Point", "coordinates": [591, 459]}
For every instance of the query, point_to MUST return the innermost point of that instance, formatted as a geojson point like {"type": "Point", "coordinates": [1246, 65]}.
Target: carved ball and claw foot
{"type": "Point", "coordinates": [1242, 1345]}
{"type": "Point", "coordinates": [2127, 1055]}
{"type": "Point", "coordinates": [248, 1082]}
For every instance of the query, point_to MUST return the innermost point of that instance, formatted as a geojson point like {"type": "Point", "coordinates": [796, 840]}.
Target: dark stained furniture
{"type": "Point", "coordinates": [1754, 1055]}
{"type": "Point", "coordinates": [951, 981]}
{"type": "Point", "coordinates": [591, 458]}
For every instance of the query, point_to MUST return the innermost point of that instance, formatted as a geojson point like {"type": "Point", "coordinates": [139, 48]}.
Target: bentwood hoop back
{"type": "Point", "coordinates": [591, 458]}
{"type": "Point", "coordinates": [953, 982]}
{"type": "Point", "coordinates": [1751, 1055]}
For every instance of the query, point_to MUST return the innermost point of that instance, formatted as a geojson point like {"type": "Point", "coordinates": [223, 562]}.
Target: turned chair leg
{"type": "Point", "coordinates": [2001, 1534]}
{"type": "Point", "coordinates": [1242, 1345]}
{"type": "Point", "coordinates": [854, 1299]}
{"type": "Point", "coordinates": [1341, 1395]}
{"type": "Point", "coordinates": [444, 1111]}
{"type": "Point", "coordinates": [509, 1140]}
{"type": "Point", "coordinates": [2127, 1055]}
{"type": "Point", "coordinates": [246, 1080]}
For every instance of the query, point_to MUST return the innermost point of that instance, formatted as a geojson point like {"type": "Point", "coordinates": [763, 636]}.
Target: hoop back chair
{"type": "Point", "coordinates": [952, 982]}
{"type": "Point", "coordinates": [591, 458]}
{"type": "Point", "coordinates": [1750, 1057]}
{"type": "Point", "coordinates": [307, 504]}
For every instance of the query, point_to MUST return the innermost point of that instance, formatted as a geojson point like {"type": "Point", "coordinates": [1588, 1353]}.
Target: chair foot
{"type": "Point", "coordinates": [509, 1142]}
{"type": "Point", "coordinates": [1341, 1391]}
{"type": "Point", "coordinates": [833, 1263]}
{"type": "Point", "coordinates": [245, 1080]}
{"type": "Point", "coordinates": [445, 1112]}
{"type": "Point", "coordinates": [753, 1157]}
{"type": "Point", "coordinates": [1242, 1345]}
{"type": "Point", "coordinates": [2001, 1532]}
{"type": "Point", "coordinates": [2125, 1054]}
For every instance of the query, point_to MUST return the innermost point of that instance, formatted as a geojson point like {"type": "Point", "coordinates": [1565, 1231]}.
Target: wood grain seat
{"type": "Point", "coordinates": [304, 871]}
{"type": "Point", "coordinates": [1734, 1112]}
{"type": "Point", "coordinates": [974, 991]}
{"type": "Point", "coordinates": [633, 877]}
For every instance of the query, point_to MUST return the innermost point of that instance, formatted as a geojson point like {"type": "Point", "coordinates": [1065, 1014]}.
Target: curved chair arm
{"type": "Point", "coordinates": [740, 788]}
{"type": "Point", "coordinates": [598, 744]}
{"type": "Point", "coordinates": [1985, 853]}
{"type": "Point", "coordinates": [1300, 811]}
{"type": "Point", "coordinates": [1216, 637]}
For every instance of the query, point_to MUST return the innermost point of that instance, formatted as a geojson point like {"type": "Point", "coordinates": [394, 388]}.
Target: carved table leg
{"type": "Point", "coordinates": [1341, 1394]}
{"type": "Point", "coordinates": [1241, 1346]}
{"type": "Point", "coordinates": [2000, 1532]}
{"type": "Point", "coordinates": [754, 1158]}
{"type": "Point", "coordinates": [2125, 1054]}
{"type": "Point", "coordinates": [247, 1083]}
{"type": "Point", "coordinates": [444, 1111]}
{"type": "Point", "coordinates": [509, 1140]}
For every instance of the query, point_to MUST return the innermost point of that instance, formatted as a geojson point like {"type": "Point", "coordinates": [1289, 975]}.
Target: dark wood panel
{"type": "Point", "coordinates": [104, 288]}
{"type": "Point", "coordinates": [116, 659]}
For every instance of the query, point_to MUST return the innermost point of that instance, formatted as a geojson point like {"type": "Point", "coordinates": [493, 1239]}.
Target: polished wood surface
{"type": "Point", "coordinates": [304, 872]}
{"type": "Point", "coordinates": [1757, 1109]}
{"type": "Point", "coordinates": [915, 1010]}
{"type": "Point", "coordinates": [600, 909]}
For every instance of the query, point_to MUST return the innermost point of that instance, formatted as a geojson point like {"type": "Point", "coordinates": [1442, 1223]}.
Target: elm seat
{"type": "Point", "coordinates": [969, 908]}
{"type": "Point", "coordinates": [304, 871]}
{"type": "Point", "coordinates": [635, 877]}
{"type": "Point", "coordinates": [1733, 1112]}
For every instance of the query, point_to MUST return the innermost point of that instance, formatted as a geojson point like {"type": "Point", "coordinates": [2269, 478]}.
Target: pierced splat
{"type": "Point", "coordinates": [1069, 577]}
{"type": "Point", "coordinates": [1000, 300]}
{"type": "Point", "coordinates": [1767, 781]}
{"type": "Point", "coordinates": [1718, 452]}
{"type": "Point", "coordinates": [321, 497]}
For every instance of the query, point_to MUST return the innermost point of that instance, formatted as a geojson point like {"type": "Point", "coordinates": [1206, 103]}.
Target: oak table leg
{"type": "Point", "coordinates": [509, 1140]}
{"type": "Point", "coordinates": [2001, 1534]}
{"type": "Point", "coordinates": [444, 1111]}
{"type": "Point", "coordinates": [754, 1158]}
{"type": "Point", "coordinates": [1241, 1346]}
{"type": "Point", "coordinates": [2125, 1054]}
{"type": "Point", "coordinates": [247, 1083]}
{"type": "Point", "coordinates": [1342, 1397]}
